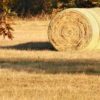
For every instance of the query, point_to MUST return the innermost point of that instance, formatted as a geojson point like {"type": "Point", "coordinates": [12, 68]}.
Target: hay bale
{"type": "Point", "coordinates": [75, 29]}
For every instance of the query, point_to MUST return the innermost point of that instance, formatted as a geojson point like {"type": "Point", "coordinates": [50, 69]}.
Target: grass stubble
{"type": "Point", "coordinates": [30, 69]}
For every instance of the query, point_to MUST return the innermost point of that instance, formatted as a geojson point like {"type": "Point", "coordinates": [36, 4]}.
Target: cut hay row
{"type": "Point", "coordinates": [75, 29]}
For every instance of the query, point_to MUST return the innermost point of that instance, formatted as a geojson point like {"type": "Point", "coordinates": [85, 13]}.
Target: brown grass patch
{"type": "Point", "coordinates": [30, 69]}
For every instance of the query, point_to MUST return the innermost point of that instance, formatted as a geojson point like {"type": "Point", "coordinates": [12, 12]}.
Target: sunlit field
{"type": "Point", "coordinates": [31, 69]}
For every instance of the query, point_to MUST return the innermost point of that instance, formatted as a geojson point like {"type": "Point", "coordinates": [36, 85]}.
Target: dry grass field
{"type": "Point", "coordinates": [30, 68]}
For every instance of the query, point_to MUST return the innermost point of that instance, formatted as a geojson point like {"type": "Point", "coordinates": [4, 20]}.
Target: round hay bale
{"type": "Point", "coordinates": [75, 29]}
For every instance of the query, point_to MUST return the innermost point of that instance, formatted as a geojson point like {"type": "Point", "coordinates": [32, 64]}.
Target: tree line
{"type": "Point", "coordinates": [33, 7]}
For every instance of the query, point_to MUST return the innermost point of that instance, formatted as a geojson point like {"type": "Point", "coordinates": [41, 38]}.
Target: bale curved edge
{"type": "Point", "coordinates": [75, 29]}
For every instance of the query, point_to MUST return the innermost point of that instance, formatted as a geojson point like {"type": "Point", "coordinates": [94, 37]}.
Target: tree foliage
{"type": "Point", "coordinates": [5, 27]}
{"type": "Point", "coordinates": [25, 7]}
{"type": "Point", "coordinates": [33, 7]}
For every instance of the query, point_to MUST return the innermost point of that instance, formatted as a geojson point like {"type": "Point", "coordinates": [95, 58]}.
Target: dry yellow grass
{"type": "Point", "coordinates": [30, 69]}
{"type": "Point", "coordinates": [16, 85]}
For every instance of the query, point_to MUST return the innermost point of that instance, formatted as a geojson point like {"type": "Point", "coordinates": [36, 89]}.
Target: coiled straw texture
{"type": "Point", "coordinates": [75, 29]}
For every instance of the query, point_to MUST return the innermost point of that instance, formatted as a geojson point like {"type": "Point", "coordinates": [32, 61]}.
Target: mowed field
{"type": "Point", "coordinates": [31, 69]}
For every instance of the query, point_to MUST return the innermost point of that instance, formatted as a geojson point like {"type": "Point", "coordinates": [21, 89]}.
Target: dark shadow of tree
{"type": "Point", "coordinates": [74, 66]}
{"type": "Point", "coordinates": [30, 46]}
{"type": "Point", "coordinates": [56, 66]}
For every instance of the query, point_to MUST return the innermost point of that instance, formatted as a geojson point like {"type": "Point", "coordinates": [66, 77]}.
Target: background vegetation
{"type": "Point", "coordinates": [33, 7]}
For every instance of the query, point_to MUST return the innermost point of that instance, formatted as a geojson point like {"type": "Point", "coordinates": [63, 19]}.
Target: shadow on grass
{"type": "Point", "coordinates": [30, 46]}
{"type": "Point", "coordinates": [53, 66]}
{"type": "Point", "coordinates": [90, 66]}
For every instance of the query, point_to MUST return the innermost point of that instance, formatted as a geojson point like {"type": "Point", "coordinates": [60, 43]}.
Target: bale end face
{"type": "Point", "coordinates": [73, 30]}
